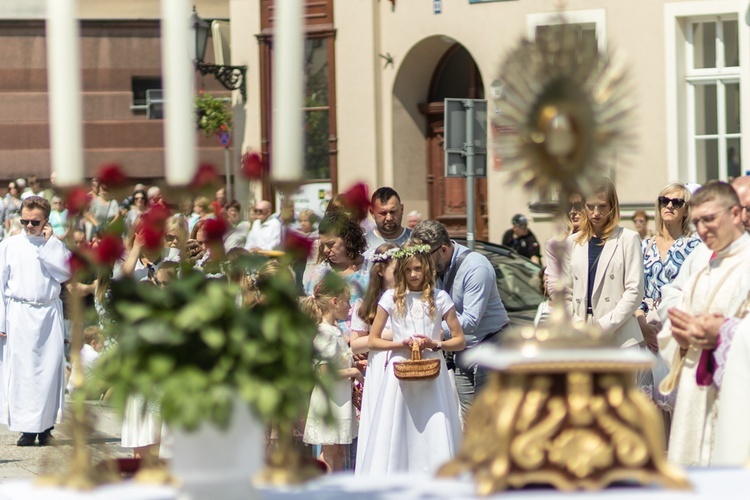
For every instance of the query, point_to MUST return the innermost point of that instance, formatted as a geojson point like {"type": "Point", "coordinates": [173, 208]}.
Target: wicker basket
{"type": "Point", "coordinates": [416, 368]}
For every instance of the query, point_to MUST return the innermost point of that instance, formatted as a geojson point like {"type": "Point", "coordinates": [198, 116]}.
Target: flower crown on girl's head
{"type": "Point", "coordinates": [409, 252]}
{"type": "Point", "coordinates": [385, 256]}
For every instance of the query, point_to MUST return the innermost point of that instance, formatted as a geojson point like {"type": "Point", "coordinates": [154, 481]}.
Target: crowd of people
{"type": "Point", "coordinates": [680, 293]}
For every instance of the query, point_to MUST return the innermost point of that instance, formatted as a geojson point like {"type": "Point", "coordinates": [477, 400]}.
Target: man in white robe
{"type": "Point", "coordinates": [33, 265]}
{"type": "Point", "coordinates": [715, 291]}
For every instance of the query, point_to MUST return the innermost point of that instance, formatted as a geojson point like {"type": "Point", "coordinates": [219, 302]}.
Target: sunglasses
{"type": "Point", "coordinates": [575, 206]}
{"type": "Point", "coordinates": [139, 198]}
{"type": "Point", "coordinates": [26, 222]}
{"type": "Point", "coordinates": [170, 238]}
{"type": "Point", "coordinates": [676, 202]}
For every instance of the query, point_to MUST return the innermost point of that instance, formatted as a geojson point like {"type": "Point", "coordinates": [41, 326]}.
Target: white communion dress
{"type": "Point", "coordinates": [416, 425]}
{"type": "Point", "coordinates": [331, 349]}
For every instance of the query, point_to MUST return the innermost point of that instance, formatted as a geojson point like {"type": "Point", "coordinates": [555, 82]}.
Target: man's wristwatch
{"type": "Point", "coordinates": [438, 346]}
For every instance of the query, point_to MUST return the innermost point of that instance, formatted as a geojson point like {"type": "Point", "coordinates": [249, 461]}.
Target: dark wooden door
{"type": "Point", "coordinates": [447, 195]}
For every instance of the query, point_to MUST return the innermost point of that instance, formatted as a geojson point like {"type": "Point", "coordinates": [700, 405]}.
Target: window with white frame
{"type": "Point", "coordinates": [712, 97]}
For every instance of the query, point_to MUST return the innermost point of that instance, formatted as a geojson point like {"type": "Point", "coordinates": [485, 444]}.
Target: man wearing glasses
{"type": "Point", "coordinates": [717, 290]}
{"type": "Point", "coordinates": [470, 280]}
{"type": "Point", "coordinates": [265, 233]}
{"type": "Point", "coordinates": [33, 265]}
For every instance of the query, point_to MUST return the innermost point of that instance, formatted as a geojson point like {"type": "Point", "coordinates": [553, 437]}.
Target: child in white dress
{"type": "Point", "coordinates": [381, 279]}
{"type": "Point", "coordinates": [328, 305]}
{"type": "Point", "coordinates": [417, 422]}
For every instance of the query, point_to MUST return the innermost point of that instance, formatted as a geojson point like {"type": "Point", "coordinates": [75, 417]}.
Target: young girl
{"type": "Point", "coordinates": [417, 424]}
{"type": "Point", "coordinates": [381, 279]}
{"type": "Point", "coordinates": [329, 304]}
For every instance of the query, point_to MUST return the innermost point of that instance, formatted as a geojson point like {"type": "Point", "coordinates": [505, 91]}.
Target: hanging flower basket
{"type": "Point", "coordinates": [212, 114]}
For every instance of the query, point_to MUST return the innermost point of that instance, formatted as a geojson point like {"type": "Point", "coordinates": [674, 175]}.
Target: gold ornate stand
{"type": "Point", "coordinates": [569, 418]}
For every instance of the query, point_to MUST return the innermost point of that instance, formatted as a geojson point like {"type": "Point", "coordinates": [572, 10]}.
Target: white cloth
{"type": "Point", "coordinates": [33, 369]}
{"type": "Point", "coordinates": [331, 349]}
{"type": "Point", "coordinates": [416, 427]}
{"type": "Point", "coordinates": [141, 423]}
{"type": "Point", "coordinates": [618, 285]}
{"type": "Point", "coordinates": [264, 235]}
{"type": "Point", "coordinates": [720, 287]}
{"type": "Point", "coordinates": [88, 358]}
{"type": "Point", "coordinates": [732, 438]}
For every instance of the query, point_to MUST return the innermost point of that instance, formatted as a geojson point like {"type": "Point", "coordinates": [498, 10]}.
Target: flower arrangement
{"type": "Point", "coordinates": [190, 347]}
{"type": "Point", "coordinates": [213, 114]}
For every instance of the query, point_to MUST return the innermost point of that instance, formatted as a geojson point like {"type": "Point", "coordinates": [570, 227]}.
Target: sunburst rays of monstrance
{"type": "Point", "coordinates": [561, 406]}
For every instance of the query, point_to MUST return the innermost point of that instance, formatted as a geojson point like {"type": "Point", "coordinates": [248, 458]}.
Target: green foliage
{"type": "Point", "coordinates": [191, 348]}
{"type": "Point", "coordinates": [213, 114]}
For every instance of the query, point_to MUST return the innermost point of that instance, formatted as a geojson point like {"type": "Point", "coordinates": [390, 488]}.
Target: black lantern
{"type": "Point", "coordinates": [231, 77]}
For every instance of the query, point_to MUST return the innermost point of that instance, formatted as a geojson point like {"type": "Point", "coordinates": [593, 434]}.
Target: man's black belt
{"type": "Point", "coordinates": [494, 334]}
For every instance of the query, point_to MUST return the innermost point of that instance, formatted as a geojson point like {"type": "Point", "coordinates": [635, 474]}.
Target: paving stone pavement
{"type": "Point", "coordinates": [25, 462]}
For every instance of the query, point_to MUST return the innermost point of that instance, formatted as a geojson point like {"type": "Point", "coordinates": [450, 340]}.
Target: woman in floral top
{"type": "Point", "coordinates": [664, 253]}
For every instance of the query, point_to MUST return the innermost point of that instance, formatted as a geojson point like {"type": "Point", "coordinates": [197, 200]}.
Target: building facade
{"type": "Point", "coordinates": [378, 71]}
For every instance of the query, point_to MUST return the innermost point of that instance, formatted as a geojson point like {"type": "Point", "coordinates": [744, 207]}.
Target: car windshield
{"type": "Point", "coordinates": [517, 280]}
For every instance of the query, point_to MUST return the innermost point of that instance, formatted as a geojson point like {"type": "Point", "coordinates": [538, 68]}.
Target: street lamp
{"type": "Point", "coordinates": [231, 77]}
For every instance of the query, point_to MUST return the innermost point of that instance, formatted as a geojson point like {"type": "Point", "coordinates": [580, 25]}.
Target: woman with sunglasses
{"type": "Point", "coordinates": [137, 209]}
{"type": "Point", "coordinates": [573, 221]}
{"type": "Point", "coordinates": [605, 282]}
{"type": "Point", "coordinates": [664, 253]}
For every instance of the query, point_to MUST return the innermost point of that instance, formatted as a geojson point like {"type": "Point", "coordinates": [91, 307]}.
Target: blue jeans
{"type": "Point", "coordinates": [469, 380]}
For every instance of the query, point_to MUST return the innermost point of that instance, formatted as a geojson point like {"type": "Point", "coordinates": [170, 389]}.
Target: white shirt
{"type": "Point", "coordinates": [264, 235]}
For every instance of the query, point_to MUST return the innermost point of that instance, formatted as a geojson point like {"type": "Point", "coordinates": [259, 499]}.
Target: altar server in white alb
{"type": "Point", "coordinates": [33, 265]}
{"type": "Point", "coordinates": [718, 290]}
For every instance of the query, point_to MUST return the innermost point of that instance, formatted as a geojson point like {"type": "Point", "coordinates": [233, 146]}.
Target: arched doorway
{"type": "Point", "coordinates": [455, 76]}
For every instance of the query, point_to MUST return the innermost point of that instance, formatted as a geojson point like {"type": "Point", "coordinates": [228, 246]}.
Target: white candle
{"type": "Point", "coordinates": [178, 75]}
{"type": "Point", "coordinates": [64, 87]}
{"type": "Point", "coordinates": [288, 91]}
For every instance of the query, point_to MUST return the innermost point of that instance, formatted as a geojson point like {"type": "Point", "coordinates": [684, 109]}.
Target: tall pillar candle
{"type": "Point", "coordinates": [64, 87]}
{"type": "Point", "coordinates": [177, 75]}
{"type": "Point", "coordinates": [288, 91]}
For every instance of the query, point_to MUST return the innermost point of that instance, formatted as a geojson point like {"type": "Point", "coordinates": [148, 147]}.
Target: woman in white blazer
{"type": "Point", "coordinates": [605, 278]}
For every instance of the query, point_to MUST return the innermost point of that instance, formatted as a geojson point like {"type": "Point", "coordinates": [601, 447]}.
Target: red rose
{"type": "Point", "coordinates": [297, 246]}
{"type": "Point", "coordinates": [109, 249]}
{"type": "Point", "coordinates": [77, 200]}
{"type": "Point", "coordinates": [77, 263]}
{"type": "Point", "coordinates": [111, 175]}
{"type": "Point", "coordinates": [214, 230]}
{"type": "Point", "coordinates": [152, 237]}
{"type": "Point", "coordinates": [206, 176]}
{"type": "Point", "coordinates": [252, 165]}
{"type": "Point", "coordinates": [357, 198]}
{"type": "Point", "coordinates": [156, 216]}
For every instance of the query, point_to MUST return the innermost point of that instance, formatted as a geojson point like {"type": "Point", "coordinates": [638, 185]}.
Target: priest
{"type": "Point", "coordinates": [33, 266]}
{"type": "Point", "coordinates": [716, 291]}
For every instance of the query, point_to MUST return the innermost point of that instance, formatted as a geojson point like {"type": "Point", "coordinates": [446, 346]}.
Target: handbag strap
{"type": "Point", "coordinates": [448, 284]}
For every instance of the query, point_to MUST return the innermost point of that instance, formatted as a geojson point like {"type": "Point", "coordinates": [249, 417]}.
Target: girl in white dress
{"type": "Point", "coordinates": [328, 305]}
{"type": "Point", "coordinates": [417, 422]}
{"type": "Point", "coordinates": [381, 279]}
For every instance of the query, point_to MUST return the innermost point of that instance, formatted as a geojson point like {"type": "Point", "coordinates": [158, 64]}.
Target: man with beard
{"type": "Point", "coordinates": [388, 212]}
{"type": "Point", "coordinates": [470, 280]}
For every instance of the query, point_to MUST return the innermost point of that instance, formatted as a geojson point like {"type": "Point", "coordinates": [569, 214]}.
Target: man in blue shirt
{"type": "Point", "coordinates": [470, 280]}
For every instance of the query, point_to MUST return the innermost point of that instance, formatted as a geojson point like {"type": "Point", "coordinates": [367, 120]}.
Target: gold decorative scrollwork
{"type": "Point", "coordinates": [580, 451]}
{"type": "Point", "coordinates": [569, 425]}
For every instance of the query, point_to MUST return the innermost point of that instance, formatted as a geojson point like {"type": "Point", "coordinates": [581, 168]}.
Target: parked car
{"type": "Point", "coordinates": [518, 281]}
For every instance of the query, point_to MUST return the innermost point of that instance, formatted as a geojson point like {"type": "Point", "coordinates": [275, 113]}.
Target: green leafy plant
{"type": "Point", "coordinates": [190, 347]}
{"type": "Point", "coordinates": [213, 114]}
